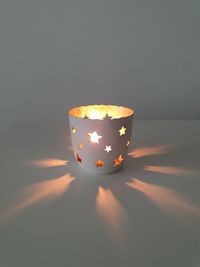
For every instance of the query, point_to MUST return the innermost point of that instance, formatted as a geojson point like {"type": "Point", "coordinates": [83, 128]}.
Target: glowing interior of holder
{"type": "Point", "coordinates": [99, 112]}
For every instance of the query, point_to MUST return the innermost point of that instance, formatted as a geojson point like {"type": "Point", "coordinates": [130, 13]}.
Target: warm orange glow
{"type": "Point", "coordinates": [110, 210]}
{"type": "Point", "coordinates": [99, 112]}
{"type": "Point", "coordinates": [100, 163]}
{"type": "Point", "coordinates": [119, 160]}
{"type": "Point", "coordinates": [95, 114]}
{"type": "Point", "coordinates": [108, 149]}
{"type": "Point", "coordinates": [80, 146]}
{"type": "Point", "coordinates": [46, 163]}
{"type": "Point", "coordinates": [35, 193]}
{"type": "Point", "coordinates": [94, 137]}
{"type": "Point", "coordinates": [165, 198]}
{"type": "Point", "coordinates": [122, 131]}
{"type": "Point", "coordinates": [167, 170]}
{"type": "Point", "coordinates": [148, 151]}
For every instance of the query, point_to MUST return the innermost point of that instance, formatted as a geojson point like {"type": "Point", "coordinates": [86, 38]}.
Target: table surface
{"type": "Point", "coordinates": [52, 213]}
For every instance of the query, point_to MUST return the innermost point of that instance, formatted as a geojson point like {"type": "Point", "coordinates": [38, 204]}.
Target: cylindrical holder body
{"type": "Point", "coordinates": [100, 145]}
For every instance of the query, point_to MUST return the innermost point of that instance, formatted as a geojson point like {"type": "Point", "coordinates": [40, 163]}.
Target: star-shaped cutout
{"type": "Point", "coordinates": [94, 137]}
{"type": "Point", "coordinates": [78, 158]}
{"type": "Point", "coordinates": [73, 130]}
{"type": "Point", "coordinates": [108, 149]}
{"type": "Point", "coordinates": [80, 146]}
{"type": "Point", "coordinates": [99, 163]}
{"type": "Point", "coordinates": [118, 160]}
{"type": "Point", "coordinates": [122, 131]}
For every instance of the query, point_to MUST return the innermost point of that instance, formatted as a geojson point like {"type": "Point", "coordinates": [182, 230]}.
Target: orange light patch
{"type": "Point", "coordinates": [35, 193]}
{"type": "Point", "coordinates": [80, 146]}
{"type": "Point", "coordinates": [111, 211]}
{"type": "Point", "coordinates": [118, 160]}
{"type": "Point", "coordinates": [149, 151]}
{"type": "Point", "coordinates": [168, 170]}
{"type": "Point", "coordinates": [167, 199]}
{"type": "Point", "coordinates": [99, 163]}
{"type": "Point", "coordinates": [47, 163]}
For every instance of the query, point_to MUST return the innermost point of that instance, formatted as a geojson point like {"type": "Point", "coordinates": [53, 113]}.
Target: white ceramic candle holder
{"type": "Point", "coordinates": [100, 136]}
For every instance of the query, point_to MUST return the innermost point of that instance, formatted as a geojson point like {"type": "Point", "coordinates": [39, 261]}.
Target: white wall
{"type": "Point", "coordinates": [54, 54]}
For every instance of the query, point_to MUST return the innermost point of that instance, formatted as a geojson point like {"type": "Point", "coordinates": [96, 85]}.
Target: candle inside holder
{"type": "Point", "coordinates": [101, 136]}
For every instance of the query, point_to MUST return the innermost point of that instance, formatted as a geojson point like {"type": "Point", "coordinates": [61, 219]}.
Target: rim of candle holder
{"type": "Point", "coordinates": [112, 112]}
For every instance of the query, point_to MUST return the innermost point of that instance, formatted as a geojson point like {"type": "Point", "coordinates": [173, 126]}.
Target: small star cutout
{"type": "Point", "coordinates": [94, 137]}
{"type": "Point", "coordinates": [128, 143]}
{"type": "Point", "coordinates": [122, 131]}
{"type": "Point", "coordinates": [99, 163]}
{"type": "Point", "coordinates": [119, 160]}
{"type": "Point", "coordinates": [108, 149]}
{"type": "Point", "coordinates": [73, 130]}
{"type": "Point", "coordinates": [78, 158]}
{"type": "Point", "coordinates": [80, 146]}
